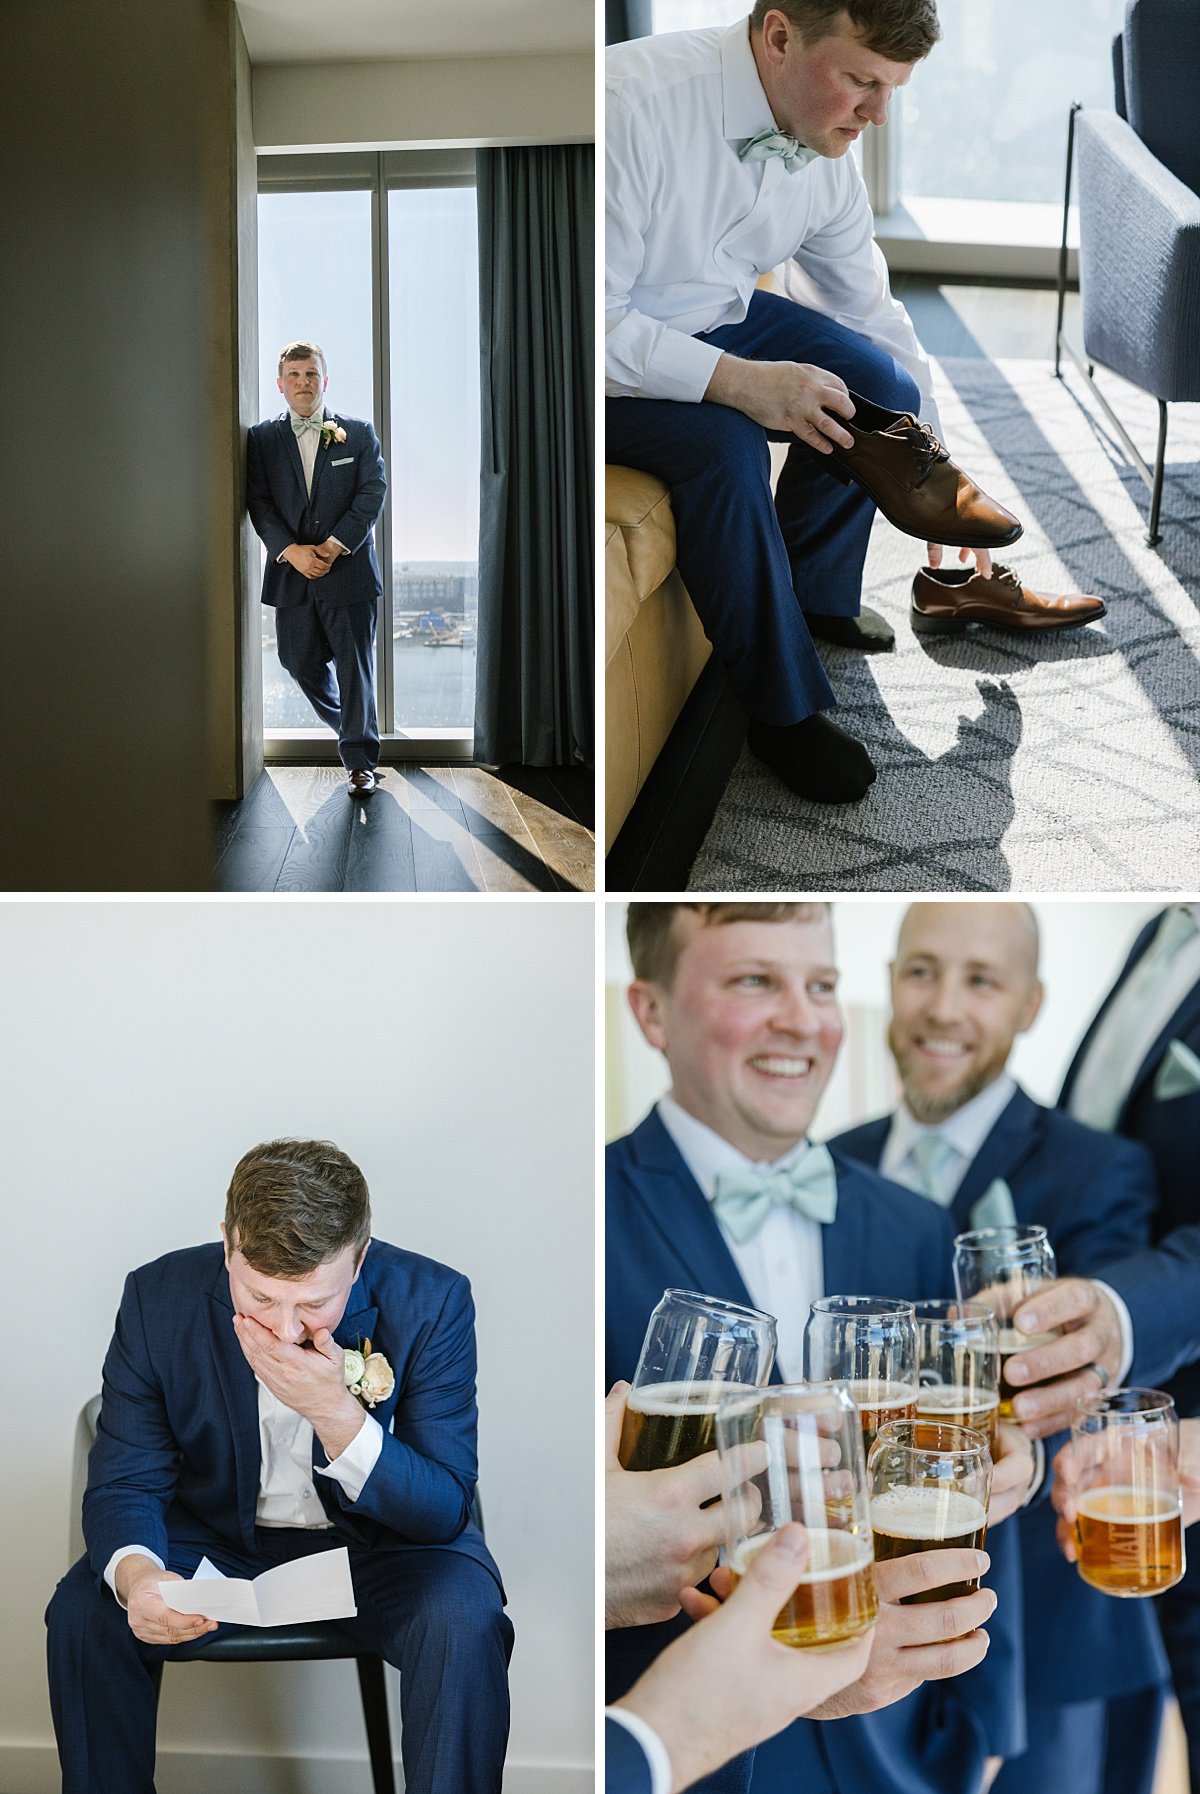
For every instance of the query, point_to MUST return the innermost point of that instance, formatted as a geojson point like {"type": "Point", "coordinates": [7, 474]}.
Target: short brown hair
{"type": "Point", "coordinates": [654, 943]}
{"type": "Point", "coordinates": [295, 1204]}
{"type": "Point", "coordinates": [303, 352]}
{"type": "Point", "coordinates": [901, 30]}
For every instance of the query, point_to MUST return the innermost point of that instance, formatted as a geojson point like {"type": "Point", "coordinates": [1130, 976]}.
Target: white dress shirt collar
{"type": "Point", "coordinates": [744, 106]}
{"type": "Point", "coordinates": [707, 1154]}
{"type": "Point", "coordinates": [965, 1130]}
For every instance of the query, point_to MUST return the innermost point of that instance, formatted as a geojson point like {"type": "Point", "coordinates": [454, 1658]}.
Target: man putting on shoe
{"type": "Point", "coordinates": [314, 486]}
{"type": "Point", "coordinates": [728, 156]}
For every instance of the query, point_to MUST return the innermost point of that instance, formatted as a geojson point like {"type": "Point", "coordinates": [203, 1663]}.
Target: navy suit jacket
{"type": "Point", "coordinates": [1093, 1194]}
{"type": "Point", "coordinates": [348, 488]}
{"type": "Point", "coordinates": [1162, 1287]}
{"type": "Point", "coordinates": [885, 1241]}
{"type": "Point", "coordinates": [178, 1440]}
{"type": "Point", "coordinates": [626, 1769]}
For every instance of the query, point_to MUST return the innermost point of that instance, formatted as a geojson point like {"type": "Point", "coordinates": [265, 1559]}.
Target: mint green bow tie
{"type": "Point", "coordinates": [777, 143]}
{"type": "Point", "coordinates": [301, 424]}
{"type": "Point", "coordinates": [744, 1199]}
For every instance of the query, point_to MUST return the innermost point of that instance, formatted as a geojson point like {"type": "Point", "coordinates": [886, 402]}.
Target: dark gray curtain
{"type": "Point", "coordinates": [534, 700]}
{"type": "Point", "coordinates": [627, 18]}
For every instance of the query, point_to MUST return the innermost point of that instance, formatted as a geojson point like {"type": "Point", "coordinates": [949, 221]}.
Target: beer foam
{"type": "Point", "coordinates": [680, 1398]}
{"type": "Point", "coordinates": [948, 1398]}
{"type": "Point", "coordinates": [868, 1394]}
{"type": "Point", "coordinates": [1113, 1504]}
{"type": "Point", "coordinates": [1012, 1341]}
{"type": "Point", "coordinates": [830, 1554]}
{"type": "Point", "coordinates": [927, 1513]}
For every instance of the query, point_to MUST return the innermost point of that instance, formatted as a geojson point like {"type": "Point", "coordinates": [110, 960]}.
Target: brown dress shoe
{"type": "Point", "coordinates": [916, 485]}
{"type": "Point", "coordinates": [946, 599]}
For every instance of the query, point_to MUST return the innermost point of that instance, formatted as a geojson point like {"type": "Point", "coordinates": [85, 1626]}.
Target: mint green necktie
{"type": "Point", "coordinates": [793, 153]}
{"type": "Point", "coordinates": [744, 1199]}
{"type": "Point", "coordinates": [935, 1162]}
{"type": "Point", "coordinates": [1109, 1073]}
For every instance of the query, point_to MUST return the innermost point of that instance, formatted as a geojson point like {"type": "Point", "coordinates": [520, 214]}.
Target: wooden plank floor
{"type": "Point", "coordinates": [438, 828]}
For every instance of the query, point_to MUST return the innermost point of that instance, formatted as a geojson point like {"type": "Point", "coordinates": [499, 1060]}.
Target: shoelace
{"type": "Point", "coordinates": [922, 438]}
{"type": "Point", "coordinates": [1005, 575]}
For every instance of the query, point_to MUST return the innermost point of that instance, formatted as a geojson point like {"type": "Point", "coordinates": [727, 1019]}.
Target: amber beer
{"type": "Point", "coordinates": [879, 1402]}
{"type": "Point", "coordinates": [834, 1599]}
{"type": "Point", "coordinates": [1011, 1342]}
{"type": "Point", "coordinates": [1130, 1542]}
{"type": "Point", "coordinates": [961, 1406]}
{"type": "Point", "coordinates": [669, 1423]}
{"type": "Point", "coordinates": [905, 1520]}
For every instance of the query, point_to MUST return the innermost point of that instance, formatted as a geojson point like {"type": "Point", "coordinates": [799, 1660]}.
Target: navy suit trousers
{"type": "Point", "coordinates": [435, 1615]}
{"type": "Point", "coordinates": [329, 650]}
{"type": "Point", "coordinates": [753, 563]}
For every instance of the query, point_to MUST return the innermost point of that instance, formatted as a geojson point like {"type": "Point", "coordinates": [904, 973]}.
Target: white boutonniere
{"type": "Point", "coordinates": [331, 431]}
{"type": "Point", "coordinates": [368, 1375]}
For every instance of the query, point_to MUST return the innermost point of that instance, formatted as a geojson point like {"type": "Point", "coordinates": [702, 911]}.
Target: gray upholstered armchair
{"type": "Point", "coordinates": [1139, 221]}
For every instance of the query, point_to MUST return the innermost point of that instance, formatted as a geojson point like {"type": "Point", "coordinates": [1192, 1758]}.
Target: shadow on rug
{"type": "Point", "coordinates": [1065, 762]}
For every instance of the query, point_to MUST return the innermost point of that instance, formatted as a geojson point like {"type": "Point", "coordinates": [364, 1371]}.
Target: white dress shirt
{"type": "Point", "coordinates": [783, 1265]}
{"type": "Point", "coordinates": [966, 1130]}
{"type": "Point", "coordinates": [308, 442]}
{"type": "Point", "coordinates": [1141, 1030]}
{"type": "Point", "coordinates": [286, 1493]}
{"type": "Point", "coordinates": [689, 228]}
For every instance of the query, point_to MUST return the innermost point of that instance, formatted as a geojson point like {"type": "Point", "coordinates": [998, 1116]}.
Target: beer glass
{"type": "Point", "coordinates": [870, 1344]}
{"type": "Point", "coordinates": [815, 1474]}
{"type": "Point", "coordinates": [694, 1346]}
{"type": "Point", "coordinates": [930, 1484]}
{"type": "Point", "coordinates": [1001, 1266]}
{"type": "Point", "coordinates": [1129, 1506]}
{"type": "Point", "coordinates": [958, 1365]}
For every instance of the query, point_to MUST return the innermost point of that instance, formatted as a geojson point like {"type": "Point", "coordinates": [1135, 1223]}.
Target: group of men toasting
{"type": "Point", "coordinates": [1034, 1680]}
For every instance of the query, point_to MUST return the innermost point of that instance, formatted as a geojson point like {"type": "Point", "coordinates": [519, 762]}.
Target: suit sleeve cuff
{"type": "Point", "coordinates": [1126, 1326]}
{"type": "Point", "coordinates": [110, 1568]}
{"type": "Point", "coordinates": [651, 1743]}
{"type": "Point", "coordinates": [360, 1457]}
{"type": "Point", "coordinates": [341, 545]}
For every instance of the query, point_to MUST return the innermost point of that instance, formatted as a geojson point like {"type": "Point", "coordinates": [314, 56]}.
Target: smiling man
{"type": "Point", "coordinates": [727, 158]}
{"type": "Point", "coordinates": [965, 986]}
{"type": "Point", "coordinates": [741, 999]}
{"type": "Point", "coordinates": [315, 486]}
{"type": "Point", "coordinates": [230, 1429]}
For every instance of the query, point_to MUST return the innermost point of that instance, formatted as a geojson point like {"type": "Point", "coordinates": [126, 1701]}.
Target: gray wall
{"type": "Point", "coordinates": [110, 295]}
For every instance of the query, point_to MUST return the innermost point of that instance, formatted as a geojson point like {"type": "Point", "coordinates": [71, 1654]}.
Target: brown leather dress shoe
{"type": "Point", "coordinates": [946, 599]}
{"type": "Point", "coordinates": [916, 485]}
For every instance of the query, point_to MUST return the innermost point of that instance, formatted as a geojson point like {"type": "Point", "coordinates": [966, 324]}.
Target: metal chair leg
{"type": "Point", "coordinates": [379, 1732]}
{"type": "Point", "coordinates": [1062, 248]}
{"type": "Point", "coordinates": [1153, 534]}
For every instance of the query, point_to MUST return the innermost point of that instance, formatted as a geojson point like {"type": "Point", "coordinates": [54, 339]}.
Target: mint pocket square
{"type": "Point", "coordinates": [1179, 1073]}
{"type": "Point", "coordinates": [995, 1208]}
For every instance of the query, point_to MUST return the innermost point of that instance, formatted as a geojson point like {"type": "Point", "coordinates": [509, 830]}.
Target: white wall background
{"type": "Point", "coordinates": [448, 1048]}
{"type": "Point", "coordinates": [1083, 946]}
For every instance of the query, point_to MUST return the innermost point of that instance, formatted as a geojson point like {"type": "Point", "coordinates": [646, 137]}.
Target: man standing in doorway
{"type": "Point", "coordinates": [315, 484]}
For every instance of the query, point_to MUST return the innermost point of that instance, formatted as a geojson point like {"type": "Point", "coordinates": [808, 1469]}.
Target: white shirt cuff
{"type": "Point", "coordinates": [651, 1743]}
{"type": "Point", "coordinates": [358, 1460]}
{"type": "Point", "coordinates": [1126, 1326]}
{"type": "Point", "coordinates": [110, 1568]}
{"type": "Point", "coordinates": [341, 545]}
{"type": "Point", "coordinates": [680, 367]}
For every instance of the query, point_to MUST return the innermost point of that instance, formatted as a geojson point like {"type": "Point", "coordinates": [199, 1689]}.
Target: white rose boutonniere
{"type": "Point", "coordinates": [331, 431]}
{"type": "Point", "coordinates": [368, 1375]}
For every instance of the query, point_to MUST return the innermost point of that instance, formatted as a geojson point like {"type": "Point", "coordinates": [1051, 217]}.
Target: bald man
{"type": "Point", "coordinates": [964, 986]}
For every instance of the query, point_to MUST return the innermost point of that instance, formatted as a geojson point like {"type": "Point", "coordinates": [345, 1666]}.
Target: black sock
{"type": "Point", "coordinates": [815, 759]}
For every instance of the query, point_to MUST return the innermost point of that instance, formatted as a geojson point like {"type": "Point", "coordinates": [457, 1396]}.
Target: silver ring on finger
{"type": "Point", "coordinates": [1101, 1373]}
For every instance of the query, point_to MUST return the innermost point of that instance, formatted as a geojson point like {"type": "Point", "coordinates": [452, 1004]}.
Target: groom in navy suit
{"type": "Point", "coordinates": [741, 999]}
{"type": "Point", "coordinates": [314, 488]}
{"type": "Point", "coordinates": [228, 1430]}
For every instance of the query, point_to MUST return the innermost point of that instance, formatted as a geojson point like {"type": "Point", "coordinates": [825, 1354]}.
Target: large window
{"type": "Point", "coordinates": [375, 257]}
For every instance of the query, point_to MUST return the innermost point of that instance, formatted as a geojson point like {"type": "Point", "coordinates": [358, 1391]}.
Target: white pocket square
{"type": "Point", "coordinates": [995, 1207]}
{"type": "Point", "coordinates": [1179, 1073]}
{"type": "Point", "coordinates": [344, 462]}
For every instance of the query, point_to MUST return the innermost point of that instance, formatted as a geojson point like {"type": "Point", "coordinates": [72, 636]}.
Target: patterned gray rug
{"type": "Point", "coordinates": [1067, 762]}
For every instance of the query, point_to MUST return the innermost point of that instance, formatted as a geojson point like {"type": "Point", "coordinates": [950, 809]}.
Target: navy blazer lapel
{"type": "Point", "coordinates": [324, 449]}
{"type": "Point", "coordinates": [844, 1242]}
{"type": "Point", "coordinates": [1136, 952]}
{"type": "Point", "coordinates": [240, 1390]}
{"type": "Point", "coordinates": [1185, 1018]}
{"type": "Point", "coordinates": [677, 1209]}
{"type": "Point", "coordinates": [290, 443]}
{"type": "Point", "coordinates": [1013, 1137]}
